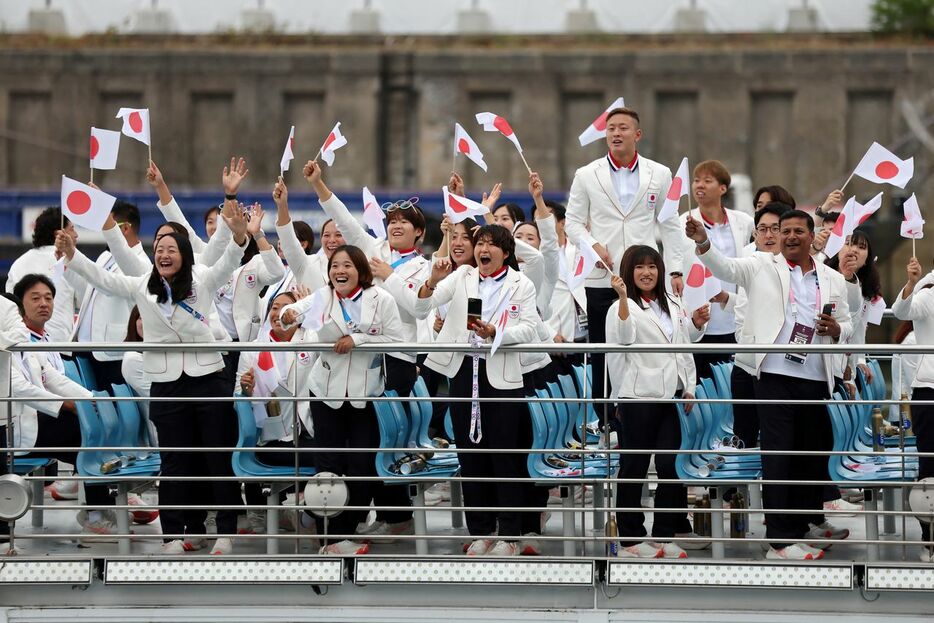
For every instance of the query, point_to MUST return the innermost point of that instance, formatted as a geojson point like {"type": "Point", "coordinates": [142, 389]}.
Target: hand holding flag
{"type": "Point", "coordinates": [597, 130]}
{"type": "Point", "coordinates": [459, 208]}
{"type": "Point", "coordinates": [84, 205]}
{"type": "Point", "coordinates": [699, 287]}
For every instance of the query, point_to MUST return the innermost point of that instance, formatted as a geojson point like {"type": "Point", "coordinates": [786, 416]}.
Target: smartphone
{"type": "Point", "coordinates": [474, 311]}
{"type": "Point", "coordinates": [828, 309]}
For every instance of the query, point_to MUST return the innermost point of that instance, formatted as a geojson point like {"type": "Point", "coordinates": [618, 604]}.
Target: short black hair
{"type": "Point", "coordinates": [772, 207]}
{"type": "Point", "coordinates": [500, 237]}
{"type": "Point", "coordinates": [16, 300]}
{"type": "Point", "coordinates": [28, 282]}
{"type": "Point", "coordinates": [829, 217]}
{"type": "Point", "coordinates": [126, 212]}
{"type": "Point", "coordinates": [515, 211]}
{"type": "Point", "coordinates": [213, 210]}
{"type": "Point", "coordinates": [48, 222]}
{"type": "Point", "coordinates": [304, 233]}
{"type": "Point", "coordinates": [790, 214]}
{"type": "Point", "coordinates": [360, 261]}
{"type": "Point", "coordinates": [776, 193]}
{"type": "Point", "coordinates": [556, 208]}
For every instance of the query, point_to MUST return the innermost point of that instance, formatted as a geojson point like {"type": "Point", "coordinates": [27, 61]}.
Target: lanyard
{"type": "Point", "coordinates": [476, 429]}
{"type": "Point", "coordinates": [191, 310]}
{"type": "Point", "coordinates": [402, 260]}
{"type": "Point", "coordinates": [794, 303]}
{"type": "Point", "coordinates": [350, 323]}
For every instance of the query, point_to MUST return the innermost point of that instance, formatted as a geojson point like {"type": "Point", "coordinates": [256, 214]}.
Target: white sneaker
{"type": "Point", "coordinates": [529, 545]}
{"type": "Point", "coordinates": [827, 531]}
{"type": "Point", "coordinates": [141, 516]}
{"type": "Point", "coordinates": [63, 490]}
{"type": "Point", "coordinates": [480, 547]}
{"type": "Point", "coordinates": [791, 552]}
{"type": "Point", "coordinates": [222, 546]}
{"type": "Point", "coordinates": [193, 544]}
{"type": "Point", "coordinates": [691, 545]}
{"type": "Point", "coordinates": [256, 523]}
{"type": "Point", "coordinates": [174, 547]}
{"type": "Point", "coordinates": [817, 552]}
{"type": "Point", "coordinates": [210, 523]}
{"type": "Point", "coordinates": [672, 550]}
{"type": "Point", "coordinates": [438, 493]}
{"type": "Point", "coordinates": [382, 531]}
{"type": "Point", "coordinates": [927, 554]}
{"type": "Point", "coordinates": [504, 548]}
{"type": "Point", "coordinates": [345, 548]}
{"type": "Point", "coordinates": [842, 505]}
{"type": "Point", "coordinates": [99, 531]}
{"type": "Point", "coordinates": [640, 550]}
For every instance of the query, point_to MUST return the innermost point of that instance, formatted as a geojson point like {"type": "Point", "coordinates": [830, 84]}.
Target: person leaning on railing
{"type": "Point", "coordinates": [917, 305]}
{"type": "Point", "coordinates": [348, 312]}
{"type": "Point", "coordinates": [173, 302]}
{"type": "Point", "coordinates": [646, 314]}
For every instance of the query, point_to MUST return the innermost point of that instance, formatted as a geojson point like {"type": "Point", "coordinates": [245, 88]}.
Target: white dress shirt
{"type": "Point", "coordinates": [804, 310]}
{"type": "Point", "coordinates": [721, 236]}
{"type": "Point", "coordinates": [625, 180]}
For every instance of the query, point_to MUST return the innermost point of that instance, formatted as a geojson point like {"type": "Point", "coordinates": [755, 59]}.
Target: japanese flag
{"type": "Point", "coordinates": [597, 130]}
{"type": "Point", "coordinates": [266, 374]}
{"type": "Point", "coordinates": [287, 154]}
{"type": "Point", "coordinates": [313, 318]}
{"type": "Point", "coordinates": [463, 144]}
{"type": "Point", "coordinates": [585, 259]}
{"type": "Point", "coordinates": [913, 225]}
{"type": "Point", "coordinates": [876, 308]}
{"type": "Point", "coordinates": [105, 144]}
{"type": "Point", "coordinates": [135, 123]}
{"type": "Point", "coordinates": [679, 188]}
{"type": "Point", "coordinates": [881, 166]}
{"type": "Point", "coordinates": [85, 206]}
{"type": "Point", "coordinates": [699, 287]}
{"type": "Point", "coordinates": [332, 143]}
{"type": "Point", "coordinates": [373, 215]}
{"type": "Point", "coordinates": [853, 215]}
{"type": "Point", "coordinates": [492, 122]}
{"type": "Point", "coordinates": [459, 208]}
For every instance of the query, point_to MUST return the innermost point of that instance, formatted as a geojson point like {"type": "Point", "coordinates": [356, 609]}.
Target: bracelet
{"type": "Point", "coordinates": [260, 233]}
{"type": "Point", "coordinates": [430, 288]}
{"type": "Point", "coordinates": [232, 197]}
{"type": "Point", "coordinates": [677, 274]}
{"type": "Point", "coordinates": [705, 243]}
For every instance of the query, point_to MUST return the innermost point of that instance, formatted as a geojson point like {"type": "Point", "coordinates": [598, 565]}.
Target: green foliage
{"type": "Point", "coordinates": [914, 17]}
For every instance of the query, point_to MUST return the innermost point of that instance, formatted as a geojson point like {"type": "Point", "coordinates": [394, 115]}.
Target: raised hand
{"type": "Point", "coordinates": [312, 172]}
{"type": "Point", "coordinates": [848, 262]}
{"type": "Point", "coordinates": [234, 175]}
{"type": "Point", "coordinates": [288, 318]}
{"type": "Point", "coordinates": [456, 184]}
{"type": "Point", "coordinates": [914, 271]}
{"type": "Point", "coordinates": [380, 269]}
{"type": "Point", "coordinates": [536, 187]}
{"type": "Point", "coordinates": [694, 230]}
{"type": "Point", "coordinates": [280, 193]}
{"type": "Point", "coordinates": [604, 255]}
{"type": "Point", "coordinates": [237, 223]}
{"type": "Point", "coordinates": [834, 199]}
{"type": "Point", "coordinates": [701, 315]}
{"type": "Point", "coordinates": [492, 198]}
{"type": "Point", "coordinates": [619, 286]}
{"type": "Point", "coordinates": [64, 244]}
{"type": "Point", "coordinates": [255, 222]}
{"type": "Point", "coordinates": [301, 291]}
{"type": "Point", "coordinates": [154, 176]}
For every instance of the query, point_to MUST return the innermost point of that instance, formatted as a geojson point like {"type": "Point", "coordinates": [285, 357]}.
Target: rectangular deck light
{"type": "Point", "coordinates": [530, 572]}
{"type": "Point", "coordinates": [226, 571]}
{"type": "Point", "coordinates": [749, 575]}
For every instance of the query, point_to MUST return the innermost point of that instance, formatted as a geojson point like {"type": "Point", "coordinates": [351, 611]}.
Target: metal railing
{"type": "Point", "coordinates": [582, 532]}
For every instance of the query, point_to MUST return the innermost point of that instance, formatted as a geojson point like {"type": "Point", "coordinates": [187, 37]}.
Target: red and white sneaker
{"type": "Point", "coordinates": [141, 516]}
{"type": "Point", "coordinates": [63, 490]}
{"type": "Point", "coordinates": [480, 547]}
{"type": "Point", "coordinates": [797, 551]}
{"type": "Point", "coordinates": [640, 550]}
{"type": "Point", "coordinates": [346, 548]}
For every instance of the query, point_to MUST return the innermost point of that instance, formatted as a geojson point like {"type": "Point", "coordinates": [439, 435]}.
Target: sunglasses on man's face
{"type": "Point", "coordinates": [404, 204]}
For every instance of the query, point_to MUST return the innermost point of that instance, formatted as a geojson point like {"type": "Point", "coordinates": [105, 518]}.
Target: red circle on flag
{"type": "Point", "coordinates": [502, 125]}
{"type": "Point", "coordinates": [264, 361]}
{"type": "Point", "coordinates": [78, 202]}
{"type": "Point", "coordinates": [886, 169]}
{"type": "Point", "coordinates": [674, 191]}
{"type": "Point", "coordinates": [838, 225]}
{"type": "Point", "coordinates": [463, 146]}
{"type": "Point", "coordinates": [327, 143]}
{"type": "Point", "coordinates": [136, 122]}
{"type": "Point", "coordinates": [696, 276]}
{"type": "Point", "coordinates": [95, 147]}
{"type": "Point", "coordinates": [600, 122]}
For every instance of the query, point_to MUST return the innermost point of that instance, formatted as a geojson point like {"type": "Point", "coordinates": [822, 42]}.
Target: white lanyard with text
{"type": "Point", "coordinates": [800, 333]}
{"type": "Point", "coordinates": [476, 429]}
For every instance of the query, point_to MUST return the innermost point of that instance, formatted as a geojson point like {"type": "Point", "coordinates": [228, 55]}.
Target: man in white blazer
{"type": "Point", "coordinates": [787, 295]}
{"type": "Point", "coordinates": [729, 231]}
{"type": "Point", "coordinates": [612, 205]}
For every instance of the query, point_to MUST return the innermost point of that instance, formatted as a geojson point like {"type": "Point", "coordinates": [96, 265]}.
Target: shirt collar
{"type": "Point", "coordinates": [354, 296]}
{"type": "Point", "coordinates": [497, 276]}
{"type": "Point", "coordinates": [708, 223]}
{"type": "Point", "coordinates": [37, 336]}
{"type": "Point", "coordinates": [616, 166]}
{"type": "Point", "coordinates": [405, 252]}
{"type": "Point", "coordinates": [794, 265]}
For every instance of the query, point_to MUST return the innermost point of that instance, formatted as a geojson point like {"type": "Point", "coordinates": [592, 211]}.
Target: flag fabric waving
{"type": "Point", "coordinates": [135, 123]}
{"type": "Point", "coordinates": [332, 143]}
{"type": "Point", "coordinates": [876, 308]}
{"type": "Point", "coordinates": [85, 206]}
{"type": "Point", "coordinates": [913, 225]}
{"type": "Point", "coordinates": [853, 215]}
{"type": "Point", "coordinates": [699, 287]}
{"type": "Point", "coordinates": [459, 208]}
{"type": "Point", "coordinates": [881, 166]}
{"type": "Point", "coordinates": [313, 318]}
{"type": "Point", "coordinates": [105, 145]}
{"type": "Point", "coordinates": [463, 144]}
{"type": "Point", "coordinates": [492, 122]}
{"type": "Point", "coordinates": [373, 215]}
{"type": "Point", "coordinates": [585, 259]}
{"type": "Point", "coordinates": [501, 318]}
{"type": "Point", "coordinates": [597, 130]}
{"type": "Point", "coordinates": [679, 188]}
{"type": "Point", "coordinates": [287, 154]}
{"type": "Point", "coordinates": [266, 374]}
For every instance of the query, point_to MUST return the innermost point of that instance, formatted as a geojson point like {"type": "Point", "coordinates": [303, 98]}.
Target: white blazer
{"type": "Point", "coordinates": [563, 305]}
{"type": "Point", "coordinates": [594, 211]}
{"type": "Point", "coordinates": [181, 327]}
{"type": "Point", "coordinates": [309, 270]}
{"type": "Point", "coordinates": [357, 373]}
{"type": "Point", "coordinates": [767, 281]}
{"type": "Point", "coordinates": [296, 381]}
{"type": "Point", "coordinates": [551, 260]}
{"type": "Point", "coordinates": [919, 308]}
{"type": "Point", "coordinates": [38, 260]}
{"type": "Point", "coordinates": [264, 269]}
{"type": "Point", "coordinates": [32, 377]}
{"type": "Point", "coordinates": [503, 369]}
{"type": "Point", "coordinates": [650, 375]}
{"type": "Point", "coordinates": [403, 284]}
{"type": "Point", "coordinates": [12, 331]}
{"type": "Point", "coordinates": [107, 314]}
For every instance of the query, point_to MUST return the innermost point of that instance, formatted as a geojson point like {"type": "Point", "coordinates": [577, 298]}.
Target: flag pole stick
{"type": "Point", "coordinates": [913, 253]}
{"type": "Point", "coordinates": [454, 163]}
{"type": "Point", "coordinates": [150, 152]}
{"type": "Point", "coordinates": [528, 168]}
{"type": "Point", "coordinates": [847, 181]}
{"type": "Point", "coordinates": [92, 175]}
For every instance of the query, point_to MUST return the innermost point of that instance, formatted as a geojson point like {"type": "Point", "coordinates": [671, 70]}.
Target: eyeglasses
{"type": "Point", "coordinates": [403, 204]}
{"type": "Point", "coordinates": [764, 229]}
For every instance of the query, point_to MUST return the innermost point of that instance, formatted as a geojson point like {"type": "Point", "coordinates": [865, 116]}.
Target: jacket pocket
{"type": "Point", "coordinates": [650, 382]}
{"type": "Point", "coordinates": [207, 359]}
{"type": "Point", "coordinates": [155, 363]}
